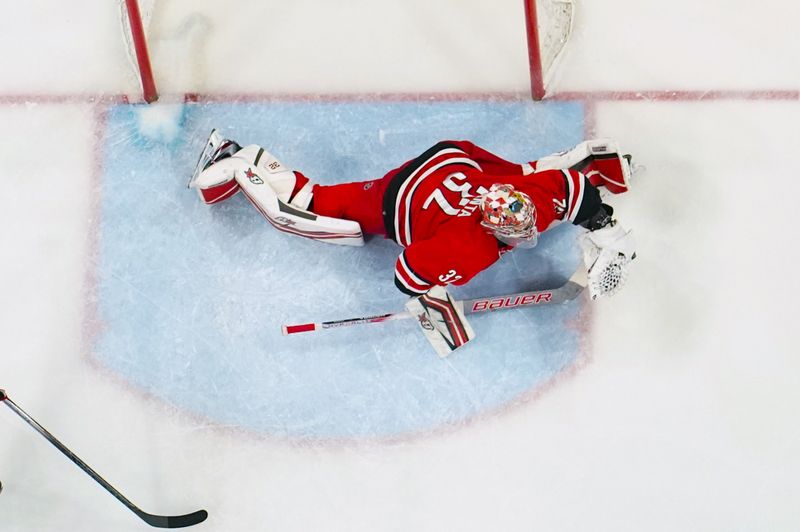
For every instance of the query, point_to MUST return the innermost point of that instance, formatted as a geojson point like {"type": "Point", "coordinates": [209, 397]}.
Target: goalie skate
{"type": "Point", "coordinates": [214, 186]}
{"type": "Point", "coordinates": [217, 148]}
{"type": "Point", "coordinates": [203, 162]}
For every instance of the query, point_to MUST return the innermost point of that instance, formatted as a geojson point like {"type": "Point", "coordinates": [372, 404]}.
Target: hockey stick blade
{"type": "Point", "coordinates": [158, 521]}
{"type": "Point", "coordinates": [566, 292]}
{"type": "Point", "coordinates": [173, 521]}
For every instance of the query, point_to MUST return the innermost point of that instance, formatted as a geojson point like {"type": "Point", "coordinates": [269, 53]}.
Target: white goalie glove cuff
{"type": "Point", "coordinates": [607, 253]}
{"type": "Point", "coordinates": [441, 319]}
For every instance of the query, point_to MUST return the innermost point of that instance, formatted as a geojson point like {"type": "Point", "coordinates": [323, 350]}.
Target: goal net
{"type": "Point", "coordinates": [347, 32]}
{"type": "Point", "coordinates": [549, 25]}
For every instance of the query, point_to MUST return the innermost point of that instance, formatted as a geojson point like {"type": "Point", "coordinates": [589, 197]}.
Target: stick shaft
{"type": "Point", "coordinates": [566, 292]}
{"type": "Point", "coordinates": [323, 325]}
{"type": "Point", "coordinates": [161, 521]}
{"type": "Point", "coordinates": [69, 454]}
{"type": "Point", "coordinates": [562, 294]}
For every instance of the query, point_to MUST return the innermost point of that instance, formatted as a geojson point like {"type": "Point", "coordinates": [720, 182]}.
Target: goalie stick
{"type": "Point", "coordinates": [566, 292]}
{"type": "Point", "coordinates": [159, 521]}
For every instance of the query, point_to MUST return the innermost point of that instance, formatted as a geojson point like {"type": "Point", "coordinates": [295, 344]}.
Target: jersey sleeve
{"type": "Point", "coordinates": [572, 197]}
{"type": "Point", "coordinates": [490, 163]}
{"type": "Point", "coordinates": [443, 260]}
{"type": "Point", "coordinates": [582, 198]}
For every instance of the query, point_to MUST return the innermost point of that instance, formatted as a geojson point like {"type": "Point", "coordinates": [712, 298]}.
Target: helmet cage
{"type": "Point", "coordinates": [509, 215]}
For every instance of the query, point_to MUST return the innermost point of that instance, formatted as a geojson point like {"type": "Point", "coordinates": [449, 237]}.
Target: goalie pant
{"type": "Point", "coordinates": [430, 206]}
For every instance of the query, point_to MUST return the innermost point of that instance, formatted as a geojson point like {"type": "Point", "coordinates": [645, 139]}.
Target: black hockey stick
{"type": "Point", "coordinates": [160, 521]}
{"type": "Point", "coordinates": [566, 292]}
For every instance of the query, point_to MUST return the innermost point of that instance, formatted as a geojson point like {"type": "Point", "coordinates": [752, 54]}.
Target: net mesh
{"type": "Point", "coordinates": [555, 25]}
{"type": "Point", "coordinates": [554, 21]}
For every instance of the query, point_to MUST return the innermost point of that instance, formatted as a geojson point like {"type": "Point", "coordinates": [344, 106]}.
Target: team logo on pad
{"type": "Point", "coordinates": [249, 174]}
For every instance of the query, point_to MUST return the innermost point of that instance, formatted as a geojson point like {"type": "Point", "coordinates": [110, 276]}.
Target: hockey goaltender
{"type": "Point", "coordinates": [454, 209]}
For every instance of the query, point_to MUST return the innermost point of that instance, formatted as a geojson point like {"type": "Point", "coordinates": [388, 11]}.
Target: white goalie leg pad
{"type": "Point", "coordinates": [213, 184]}
{"type": "Point", "coordinates": [607, 253]}
{"type": "Point", "coordinates": [277, 175]}
{"type": "Point", "coordinates": [216, 183]}
{"type": "Point", "coordinates": [442, 320]}
{"type": "Point", "coordinates": [291, 219]}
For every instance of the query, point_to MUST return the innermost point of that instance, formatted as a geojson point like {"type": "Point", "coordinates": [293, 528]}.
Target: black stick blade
{"type": "Point", "coordinates": [173, 521]}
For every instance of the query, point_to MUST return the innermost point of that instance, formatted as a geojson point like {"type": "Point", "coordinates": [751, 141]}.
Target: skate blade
{"type": "Point", "coordinates": [213, 142]}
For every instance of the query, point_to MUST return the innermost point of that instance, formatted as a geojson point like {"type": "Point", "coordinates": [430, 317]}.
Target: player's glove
{"type": "Point", "coordinates": [607, 253]}
{"type": "Point", "coordinates": [442, 320]}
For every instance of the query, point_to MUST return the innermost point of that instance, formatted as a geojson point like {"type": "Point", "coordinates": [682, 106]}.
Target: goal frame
{"type": "Point", "coordinates": [149, 91]}
{"type": "Point", "coordinates": [538, 75]}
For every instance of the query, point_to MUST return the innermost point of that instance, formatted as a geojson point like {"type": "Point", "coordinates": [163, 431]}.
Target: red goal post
{"type": "Point", "coordinates": [548, 24]}
{"type": "Point", "coordinates": [135, 19]}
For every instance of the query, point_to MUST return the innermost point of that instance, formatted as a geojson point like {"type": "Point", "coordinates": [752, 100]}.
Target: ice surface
{"type": "Point", "coordinates": [680, 413]}
{"type": "Point", "coordinates": [193, 297]}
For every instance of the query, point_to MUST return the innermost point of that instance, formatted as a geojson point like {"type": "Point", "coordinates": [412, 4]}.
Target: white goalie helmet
{"type": "Point", "coordinates": [509, 215]}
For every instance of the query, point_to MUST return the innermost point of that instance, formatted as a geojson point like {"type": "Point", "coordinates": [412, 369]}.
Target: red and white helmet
{"type": "Point", "coordinates": [510, 216]}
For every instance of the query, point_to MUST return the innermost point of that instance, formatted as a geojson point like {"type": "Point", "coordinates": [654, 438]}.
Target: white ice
{"type": "Point", "coordinates": [682, 415]}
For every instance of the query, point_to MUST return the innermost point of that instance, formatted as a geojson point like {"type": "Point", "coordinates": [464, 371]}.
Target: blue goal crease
{"type": "Point", "coordinates": [192, 297]}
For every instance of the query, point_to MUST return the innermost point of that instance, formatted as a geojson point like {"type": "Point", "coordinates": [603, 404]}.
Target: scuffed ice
{"type": "Point", "coordinates": [192, 297]}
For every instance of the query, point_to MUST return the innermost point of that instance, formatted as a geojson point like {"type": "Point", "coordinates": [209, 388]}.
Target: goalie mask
{"type": "Point", "coordinates": [510, 216]}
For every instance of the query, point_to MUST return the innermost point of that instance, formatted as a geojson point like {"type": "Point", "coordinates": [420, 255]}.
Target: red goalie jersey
{"type": "Point", "coordinates": [430, 206]}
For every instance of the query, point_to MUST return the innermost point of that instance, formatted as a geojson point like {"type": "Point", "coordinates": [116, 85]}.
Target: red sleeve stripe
{"type": "Point", "coordinates": [575, 190]}
{"type": "Point", "coordinates": [402, 221]}
{"type": "Point", "coordinates": [408, 279]}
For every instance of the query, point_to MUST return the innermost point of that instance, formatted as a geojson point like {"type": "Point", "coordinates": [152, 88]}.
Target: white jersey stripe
{"type": "Point", "coordinates": [576, 207]}
{"type": "Point", "coordinates": [406, 222]}
{"type": "Point", "coordinates": [408, 279]}
{"type": "Point", "coordinates": [408, 287]}
{"type": "Point", "coordinates": [410, 195]}
{"type": "Point", "coordinates": [402, 194]}
{"type": "Point", "coordinates": [401, 191]}
{"type": "Point", "coordinates": [408, 272]}
{"type": "Point", "coordinates": [570, 193]}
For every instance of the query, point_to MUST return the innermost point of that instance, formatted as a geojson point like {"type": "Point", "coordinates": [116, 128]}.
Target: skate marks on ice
{"type": "Point", "coordinates": [190, 298]}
